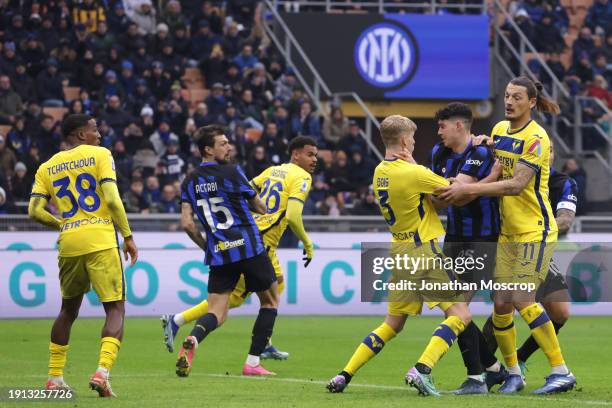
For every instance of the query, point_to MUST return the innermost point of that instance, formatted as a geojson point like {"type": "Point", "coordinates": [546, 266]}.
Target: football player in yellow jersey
{"type": "Point", "coordinates": [81, 182]}
{"type": "Point", "coordinates": [284, 190]}
{"type": "Point", "coordinates": [528, 230]}
{"type": "Point", "coordinates": [401, 188]}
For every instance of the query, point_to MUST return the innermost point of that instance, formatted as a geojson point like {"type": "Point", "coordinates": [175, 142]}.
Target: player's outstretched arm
{"type": "Point", "coordinates": [115, 206]}
{"type": "Point", "coordinates": [458, 192]}
{"type": "Point", "coordinates": [190, 227]}
{"type": "Point", "coordinates": [37, 212]}
{"type": "Point", "coordinates": [565, 220]}
{"type": "Point", "coordinates": [294, 219]}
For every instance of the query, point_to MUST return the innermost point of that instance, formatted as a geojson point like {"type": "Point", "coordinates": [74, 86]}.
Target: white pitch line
{"type": "Point", "coordinates": [371, 386]}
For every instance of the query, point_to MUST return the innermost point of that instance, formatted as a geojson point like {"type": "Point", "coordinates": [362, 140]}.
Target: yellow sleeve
{"type": "Point", "coordinates": [300, 187]}
{"type": "Point", "coordinates": [40, 185]}
{"type": "Point", "coordinates": [294, 219]}
{"type": "Point", "coordinates": [427, 181]}
{"type": "Point", "coordinates": [533, 149]}
{"type": "Point", "coordinates": [106, 167]}
{"type": "Point", "coordinates": [113, 201]}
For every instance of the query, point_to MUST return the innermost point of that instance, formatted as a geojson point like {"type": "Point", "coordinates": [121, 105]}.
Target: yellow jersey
{"type": "Point", "coordinates": [277, 185]}
{"type": "Point", "coordinates": [72, 179]}
{"type": "Point", "coordinates": [400, 188]}
{"type": "Point", "coordinates": [530, 211]}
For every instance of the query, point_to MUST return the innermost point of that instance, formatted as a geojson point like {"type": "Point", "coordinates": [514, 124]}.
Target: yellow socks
{"type": "Point", "coordinates": [193, 313]}
{"type": "Point", "coordinates": [57, 359]}
{"type": "Point", "coordinates": [369, 347]}
{"type": "Point", "coordinates": [108, 352]}
{"type": "Point", "coordinates": [441, 340]}
{"type": "Point", "coordinates": [505, 334]}
{"type": "Point", "coordinates": [543, 332]}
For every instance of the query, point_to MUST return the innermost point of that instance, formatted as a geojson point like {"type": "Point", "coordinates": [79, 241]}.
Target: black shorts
{"type": "Point", "coordinates": [555, 281]}
{"type": "Point", "coordinates": [482, 249]}
{"type": "Point", "coordinates": [258, 275]}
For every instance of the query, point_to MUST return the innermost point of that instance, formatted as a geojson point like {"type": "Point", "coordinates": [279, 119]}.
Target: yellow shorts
{"type": "Point", "coordinates": [411, 303]}
{"type": "Point", "coordinates": [102, 269]}
{"type": "Point", "coordinates": [524, 258]}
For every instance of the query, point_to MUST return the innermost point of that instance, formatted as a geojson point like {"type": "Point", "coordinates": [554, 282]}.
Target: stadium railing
{"type": "Point", "coordinates": [380, 6]}
{"type": "Point", "coordinates": [313, 223]}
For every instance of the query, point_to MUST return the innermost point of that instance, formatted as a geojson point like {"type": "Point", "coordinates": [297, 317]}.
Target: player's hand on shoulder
{"type": "Point", "coordinates": [129, 247]}
{"type": "Point", "coordinates": [481, 140]}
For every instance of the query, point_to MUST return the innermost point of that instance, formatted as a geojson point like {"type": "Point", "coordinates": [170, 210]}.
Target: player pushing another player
{"type": "Point", "coordinates": [81, 182]}
{"type": "Point", "coordinates": [220, 195]}
{"type": "Point", "coordinates": [401, 188]}
{"type": "Point", "coordinates": [528, 230]}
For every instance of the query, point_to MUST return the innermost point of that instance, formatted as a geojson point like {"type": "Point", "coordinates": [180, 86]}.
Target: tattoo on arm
{"type": "Point", "coordinates": [522, 175]}
{"type": "Point", "coordinates": [565, 219]}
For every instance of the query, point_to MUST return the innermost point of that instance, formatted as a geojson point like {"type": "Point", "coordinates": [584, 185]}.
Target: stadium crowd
{"type": "Point", "coordinates": [129, 60]}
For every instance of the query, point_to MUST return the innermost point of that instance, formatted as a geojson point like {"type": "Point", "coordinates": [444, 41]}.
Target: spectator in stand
{"type": "Point", "coordinates": [47, 138]}
{"type": "Point", "coordinates": [11, 105]}
{"type": "Point", "coordinates": [547, 37]}
{"type": "Point", "coordinates": [33, 55]}
{"type": "Point", "coordinates": [158, 41]}
{"type": "Point", "coordinates": [599, 90]}
{"type": "Point", "coordinates": [17, 32]}
{"type": "Point", "coordinates": [599, 16]}
{"type": "Point", "coordinates": [89, 13]}
{"type": "Point", "coordinates": [107, 133]}
{"type": "Point", "coordinates": [209, 14]}
{"type": "Point", "coordinates": [21, 183]}
{"type": "Point", "coordinates": [8, 62]}
{"type": "Point", "coordinates": [216, 100]}
{"type": "Point", "coordinates": [285, 85]}
{"type": "Point", "coordinates": [111, 87]}
{"type": "Point", "coordinates": [18, 139]}
{"type": "Point", "coordinates": [162, 137]}
{"type": "Point", "coordinates": [202, 117]}
{"type": "Point", "coordinates": [306, 123]}
{"type": "Point", "coordinates": [246, 60]}
{"type": "Point", "coordinates": [330, 207]}
{"type": "Point", "coordinates": [152, 191]}
{"type": "Point", "coordinates": [534, 9]}
{"type": "Point", "coordinates": [523, 21]}
{"type": "Point", "coordinates": [173, 16]}
{"type": "Point", "coordinates": [582, 71]}
{"type": "Point", "coordinates": [257, 163]}
{"type": "Point", "coordinates": [274, 143]}
{"type": "Point", "coordinates": [134, 199]}
{"type": "Point", "coordinates": [203, 41]}
{"type": "Point", "coordinates": [367, 204]}
{"type": "Point", "coordinates": [49, 85]}
{"type": "Point", "coordinates": [140, 98]}
{"type": "Point", "coordinates": [33, 160]}
{"type": "Point", "coordinates": [132, 39]}
{"type": "Point", "coordinates": [101, 41]}
{"type": "Point", "coordinates": [48, 34]}
{"type": "Point", "coordinates": [8, 159]}
{"type": "Point", "coordinates": [250, 109]}
{"type": "Point", "coordinates": [573, 169]}
{"type": "Point", "coordinates": [353, 141]}
{"type": "Point", "coordinates": [214, 66]}
{"type": "Point", "coordinates": [144, 16]}
{"type": "Point", "coordinates": [232, 40]}
{"type": "Point", "coordinates": [182, 43]}
{"type": "Point", "coordinates": [360, 171]}
{"type": "Point", "coordinates": [584, 44]}
{"type": "Point", "coordinates": [601, 67]}
{"type": "Point", "coordinates": [159, 82]}
{"type": "Point", "coordinates": [338, 174]}
{"type": "Point", "coordinates": [118, 21]}
{"type": "Point", "coordinates": [123, 164]}
{"type": "Point", "coordinates": [171, 163]}
{"type": "Point", "coordinates": [168, 203]}
{"type": "Point", "coordinates": [335, 127]}
{"type": "Point", "coordinates": [23, 83]}
{"type": "Point", "coordinates": [115, 116]}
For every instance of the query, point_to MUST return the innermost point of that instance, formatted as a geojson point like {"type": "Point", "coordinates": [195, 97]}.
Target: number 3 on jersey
{"type": "Point", "coordinates": [213, 205]}
{"type": "Point", "coordinates": [386, 209]}
{"type": "Point", "coordinates": [84, 193]}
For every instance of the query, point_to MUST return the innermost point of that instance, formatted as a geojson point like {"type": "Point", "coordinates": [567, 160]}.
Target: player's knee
{"type": "Point", "coordinates": [70, 314]}
{"type": "Point", "coordinates": [558, 312]}
{"type": "Point", "coordinates": [236, 301]}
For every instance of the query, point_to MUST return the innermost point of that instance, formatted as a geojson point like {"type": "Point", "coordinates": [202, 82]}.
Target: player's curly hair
{"type": "Point", "coordinates": [73, 123]}
{"type": "Point", "coordinates": [534, 90]}
{"type": "Point", "coordinates": [455, 110]}
{"type": "Point", "coordinates": [393, 127]}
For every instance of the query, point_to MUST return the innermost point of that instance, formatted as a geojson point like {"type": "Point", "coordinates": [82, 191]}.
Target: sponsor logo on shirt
{"type": "Point", "coordinates": [474, 162]}
{"type": "Point", "coordinates": [225, 245]}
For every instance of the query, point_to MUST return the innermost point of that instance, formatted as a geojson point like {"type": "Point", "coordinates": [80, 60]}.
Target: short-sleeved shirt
{"type": "Point", "coordinates": [480, 217]}
{"type": "Point", "coordinates": [72, 179]}
{"type": "Point", "coordinates": [400, 188]}
{"type": "Point", "coordinates": [530, 211]}
{"type": "Point", "coordinates": [277, 185]}
{"type": "Point", "coordinates": [218, 195]}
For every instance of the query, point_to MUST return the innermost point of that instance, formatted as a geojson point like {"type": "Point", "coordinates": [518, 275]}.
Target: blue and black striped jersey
{"type": "Point", "coordinates": [218, 195]}
{"type": "Point", "coordinates": [479, 218]}
{"type": "Point", "coordinates": [562, 191]}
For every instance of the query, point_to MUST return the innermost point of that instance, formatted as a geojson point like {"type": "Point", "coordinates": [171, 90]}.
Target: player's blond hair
{"type": "Point", "coordinates": [393, 127]}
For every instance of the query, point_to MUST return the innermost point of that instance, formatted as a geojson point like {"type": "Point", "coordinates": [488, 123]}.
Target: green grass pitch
{"type": "Point", "coordinates": [144, 373]}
